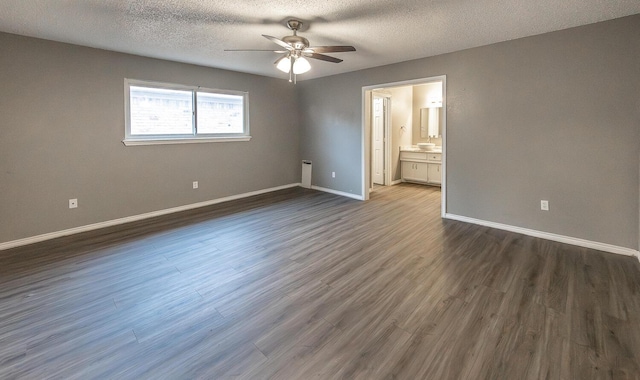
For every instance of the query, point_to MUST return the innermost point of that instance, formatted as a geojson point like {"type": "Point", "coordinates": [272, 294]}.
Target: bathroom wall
{"type": "Point", "coordinates": [401, 125]}
{"type": "Point", "coordinates": [421, 94]}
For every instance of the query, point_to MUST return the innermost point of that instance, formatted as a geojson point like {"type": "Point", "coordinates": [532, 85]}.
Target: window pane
{"type": "Point", "coordinates": [220, 113]}
{"type": "Point", "coordinates": [156, 111]}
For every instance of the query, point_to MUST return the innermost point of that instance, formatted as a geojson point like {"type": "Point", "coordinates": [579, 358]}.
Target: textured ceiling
{"type": "Point", "coordinates": [383, 32]}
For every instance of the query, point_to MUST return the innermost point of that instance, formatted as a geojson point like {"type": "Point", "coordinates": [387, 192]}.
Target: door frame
{"type": "Point", "coordinates": [386, 104]}
{"type": "Point", "coordinates": [366, 133]}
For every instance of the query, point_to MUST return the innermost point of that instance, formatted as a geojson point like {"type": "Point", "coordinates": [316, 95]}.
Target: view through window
{"type": "Point", "coordinates": [171, 111]}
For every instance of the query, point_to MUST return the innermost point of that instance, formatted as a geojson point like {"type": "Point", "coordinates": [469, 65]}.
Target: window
{"type": "Point", "coordinates": [160, 113]}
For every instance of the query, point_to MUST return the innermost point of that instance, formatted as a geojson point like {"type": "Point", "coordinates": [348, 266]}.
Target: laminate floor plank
{"type": "Point", "coordinates": [300, 284]}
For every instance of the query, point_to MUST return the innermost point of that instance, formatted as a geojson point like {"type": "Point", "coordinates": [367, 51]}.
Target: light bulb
{"type": "Point", "coordinates": [301, 66]}
{"type": "Point", "coordinates": [284, 64]}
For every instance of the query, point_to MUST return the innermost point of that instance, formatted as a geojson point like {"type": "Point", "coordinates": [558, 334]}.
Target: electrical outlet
{"type": "Point", "coordinates": [544, 205]}
{"type": "Point", "coordinates": [333, 174]}
{"type": "Point", "coordinates": [195, 184]}
{"type": "Point", "coordinates": [73, 203]}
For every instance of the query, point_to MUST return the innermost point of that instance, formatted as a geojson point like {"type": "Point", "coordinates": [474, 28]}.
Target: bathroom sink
{"type": "Point", "coordinates": [427, 146]}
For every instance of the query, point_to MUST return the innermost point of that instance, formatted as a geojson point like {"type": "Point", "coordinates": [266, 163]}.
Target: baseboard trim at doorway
{"type": "Point", "coordinates": [337, 192]}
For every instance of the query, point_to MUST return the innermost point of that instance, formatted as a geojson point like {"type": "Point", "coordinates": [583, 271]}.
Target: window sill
{"type": "Point", "coordinates": [152, 141]}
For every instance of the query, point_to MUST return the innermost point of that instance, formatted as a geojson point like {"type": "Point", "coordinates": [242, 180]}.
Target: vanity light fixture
{"type": "Point", "coordinates": [434, 102]}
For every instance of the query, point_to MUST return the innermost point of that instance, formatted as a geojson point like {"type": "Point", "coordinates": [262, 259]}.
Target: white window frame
{"type": "Point", "coordinates": [194, 137]}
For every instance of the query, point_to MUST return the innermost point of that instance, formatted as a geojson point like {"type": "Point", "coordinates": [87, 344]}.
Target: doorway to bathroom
{"type": "Point", "coordinates": [403, 121]}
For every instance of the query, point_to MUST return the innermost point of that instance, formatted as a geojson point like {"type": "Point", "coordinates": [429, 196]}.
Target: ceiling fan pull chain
{"type": "Point", "coordinates": [291, 76]}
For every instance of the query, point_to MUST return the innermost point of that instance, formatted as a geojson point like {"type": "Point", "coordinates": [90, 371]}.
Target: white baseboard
{"type": "Point", "coordinates": [336, 192]}
{"type": "Point", "coordinates": [549, 236]}
{"type": "Point", "coordinates": [134, 218]}
{"type": "Point", "coordinates": [396, 182]}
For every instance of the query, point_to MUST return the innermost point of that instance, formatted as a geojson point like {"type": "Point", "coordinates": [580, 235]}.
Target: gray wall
{"type": "Point", "coordinates": [61, 126]}
{"type": "Point", "coordinates": [554, 116]}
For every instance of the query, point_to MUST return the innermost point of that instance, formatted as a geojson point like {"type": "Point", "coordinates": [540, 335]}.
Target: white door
{"type": "Point", "coordinates": [377, 149]}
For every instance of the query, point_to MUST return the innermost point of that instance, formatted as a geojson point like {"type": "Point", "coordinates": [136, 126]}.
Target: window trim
{"type": "Point", "coordinates": [134, 140]}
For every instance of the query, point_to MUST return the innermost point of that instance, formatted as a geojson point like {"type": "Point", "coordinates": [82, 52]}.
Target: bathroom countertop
{"type": "Point", "coordinates": [420, 150]}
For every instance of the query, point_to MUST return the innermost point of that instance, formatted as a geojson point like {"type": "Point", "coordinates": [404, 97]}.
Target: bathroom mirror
{"type": "Point", "coordinates": [430, 122]}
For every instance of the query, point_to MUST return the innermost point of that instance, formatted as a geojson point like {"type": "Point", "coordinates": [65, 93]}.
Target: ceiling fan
{"type": "Point", "coordinates": [297, 50]}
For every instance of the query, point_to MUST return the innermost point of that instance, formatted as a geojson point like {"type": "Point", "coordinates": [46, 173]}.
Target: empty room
{"type": "Point", "coordinates": [332, 190]}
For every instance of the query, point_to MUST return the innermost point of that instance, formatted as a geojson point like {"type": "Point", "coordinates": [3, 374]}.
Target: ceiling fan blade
{"type": "Point", "coordinates": [273, 51]}
{"type": "Point", "coordinates": [329, 49]}
{"type": "Point", "coordinates": [278, 41]}
{"type": "Point", "coordinates": [322, 57]}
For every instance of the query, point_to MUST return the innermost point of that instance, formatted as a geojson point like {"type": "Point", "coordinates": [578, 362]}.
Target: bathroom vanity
{"type": "Point", "coordinates": [421, 166]}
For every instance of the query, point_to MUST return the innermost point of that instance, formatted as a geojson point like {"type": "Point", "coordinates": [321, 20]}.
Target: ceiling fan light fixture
{"type": "Point", "coordinates": [284, 64]}
{"type": "Point", "coordinates": [301, 65]}
{"type": "Point", "coordinates": [296, 51]}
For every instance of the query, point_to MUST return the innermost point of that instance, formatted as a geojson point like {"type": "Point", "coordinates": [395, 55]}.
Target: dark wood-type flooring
{"type": "Point", "coordinates": [300, 284]}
